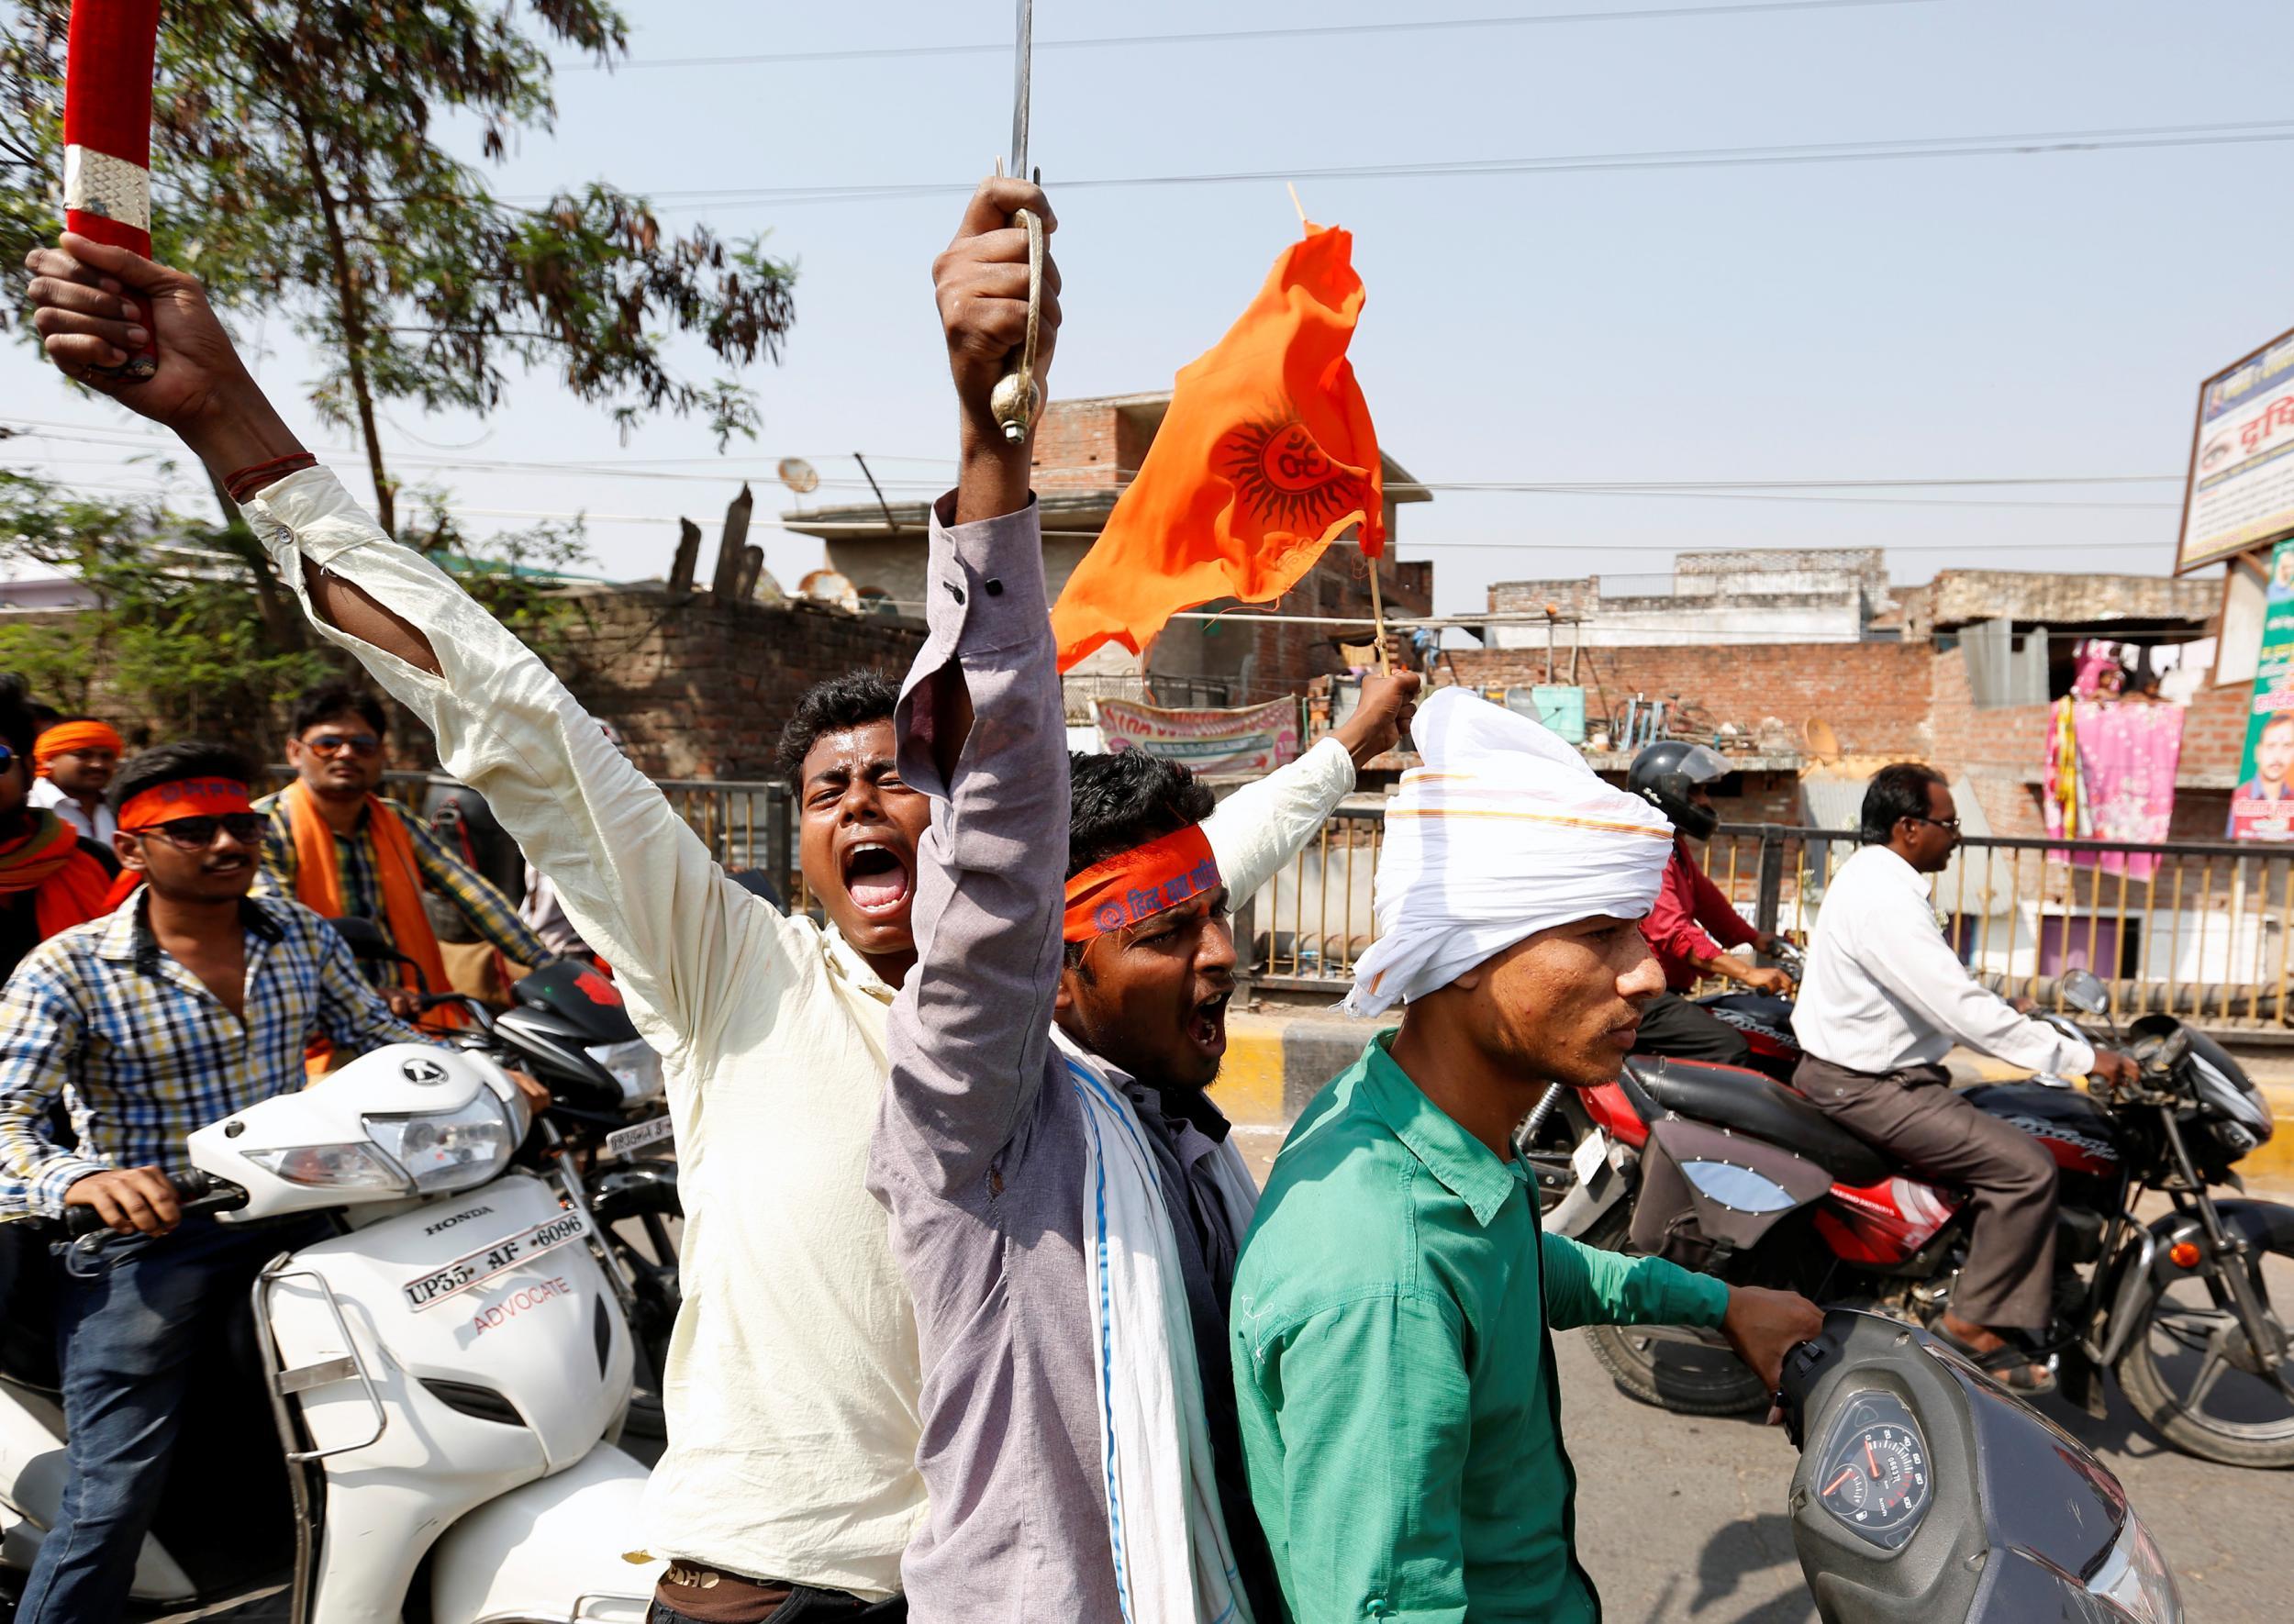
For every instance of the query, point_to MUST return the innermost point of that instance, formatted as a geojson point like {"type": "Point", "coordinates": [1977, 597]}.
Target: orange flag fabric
{"type": "Point", "coordinates": [1266, 453]}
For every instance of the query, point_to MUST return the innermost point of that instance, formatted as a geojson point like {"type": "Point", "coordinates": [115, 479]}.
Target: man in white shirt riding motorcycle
{"type": "Point", "coordinates": [1883, 999]}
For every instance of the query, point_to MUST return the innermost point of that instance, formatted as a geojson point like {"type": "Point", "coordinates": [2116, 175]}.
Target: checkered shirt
{"type": "Point", "coordinates": [492, 914]}
{"type": "Point", "coordinates": [140, 1053]}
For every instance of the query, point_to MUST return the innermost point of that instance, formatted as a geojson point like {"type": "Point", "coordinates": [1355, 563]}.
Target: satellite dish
{"type": "Point", "coordinates": [1822, 742]}
{"type": "Point", "coordinates": [797, 475]}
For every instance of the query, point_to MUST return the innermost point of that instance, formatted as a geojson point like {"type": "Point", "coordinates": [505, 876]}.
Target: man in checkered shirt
{"type": "Point", "coordinates": [193, 1001]}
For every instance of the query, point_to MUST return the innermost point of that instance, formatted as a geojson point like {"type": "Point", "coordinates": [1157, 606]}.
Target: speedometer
{"type": "Point", "coordinates": [1874, 1476]}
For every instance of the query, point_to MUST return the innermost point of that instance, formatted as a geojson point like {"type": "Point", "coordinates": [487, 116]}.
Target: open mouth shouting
{"type": "Point", "coordinates": [877, 877]}
{"type": "Point", "coordinates": [1207, 1025]}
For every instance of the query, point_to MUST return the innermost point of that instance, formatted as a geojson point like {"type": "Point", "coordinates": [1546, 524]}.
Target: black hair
{"type": "Point", "coordinates": [2278, 719]}
{"type": "Point", "coordinates": [170, 764]}
{"type": "Point", "coordinates": [1896, 793]}
{"type": "Point", "coordinates": [1127, 799]}
{"type": "Point", "coordinates": [834, 704]}
{"type": "Point", "coordinates": [335, 698]}
{"type": "Point", "coordinates": [19, 729]}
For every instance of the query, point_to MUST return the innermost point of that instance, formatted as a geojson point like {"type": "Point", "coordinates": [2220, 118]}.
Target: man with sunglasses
{"type": "Point", "coordinates": [192, 1001]}
{"type": "Point", "coordinates": [1883, 1000]}
{"type": "Point", "coordinates": [341, 847]}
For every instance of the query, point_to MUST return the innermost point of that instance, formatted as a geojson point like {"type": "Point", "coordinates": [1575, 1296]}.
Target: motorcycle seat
{"type": "Point", "coordinates": [1752, 1103]}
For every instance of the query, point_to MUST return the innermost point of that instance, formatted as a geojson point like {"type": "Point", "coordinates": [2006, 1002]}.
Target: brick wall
{"type": "Point", "coordinates": [1081, 444]}
{"type": "Point", "coordinates": [701, 688]}
{"type": "Point", "coordinates": [1874, 696]}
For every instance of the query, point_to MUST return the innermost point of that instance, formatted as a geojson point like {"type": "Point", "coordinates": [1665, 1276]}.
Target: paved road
{"type": "Point", "coordinates": [1682, 1522]}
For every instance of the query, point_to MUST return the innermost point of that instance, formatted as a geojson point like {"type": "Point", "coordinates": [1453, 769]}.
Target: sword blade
{"type": "Point", "coordinates": [1023, 50]}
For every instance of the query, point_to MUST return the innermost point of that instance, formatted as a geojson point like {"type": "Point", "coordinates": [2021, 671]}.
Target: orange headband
{"type": "Point", "coordinates": [186, 798]}
{"type": "Point", "coordinates": [66, 737]}
{"type": "Point", "coordinates": [1140, 883]}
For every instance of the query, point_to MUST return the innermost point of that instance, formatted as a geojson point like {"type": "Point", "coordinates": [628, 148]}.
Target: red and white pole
{"type": "Point", "coordinates": [107, 133]}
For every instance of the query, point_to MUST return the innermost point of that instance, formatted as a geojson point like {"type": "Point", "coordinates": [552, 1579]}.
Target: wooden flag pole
{"type": "Point", "coordinates": [1378, 618]}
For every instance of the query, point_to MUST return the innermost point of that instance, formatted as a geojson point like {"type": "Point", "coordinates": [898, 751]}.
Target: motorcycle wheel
{"type": "Point", "coordinates": [1687, 1378]}
{"type": "Point", "coordinates": [648, 1256]}
{"type": "Point", "coordinates": [2182, 1375]}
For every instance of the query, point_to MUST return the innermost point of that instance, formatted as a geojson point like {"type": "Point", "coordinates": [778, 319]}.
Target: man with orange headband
{"type": "Point", "coordinates": [75, 761]}
{"type": "Point", "coordinates": [52, 876]}
{"type": "Point", "coordinates": [191, 1002]}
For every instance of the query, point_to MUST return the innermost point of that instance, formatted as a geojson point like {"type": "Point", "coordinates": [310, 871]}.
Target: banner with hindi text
{"type": "Point", "coordinates": [1254, 738]}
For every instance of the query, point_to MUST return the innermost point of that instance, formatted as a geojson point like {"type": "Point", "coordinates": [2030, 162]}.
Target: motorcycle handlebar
{"type": "Point", "coordinates": [197, 1192]}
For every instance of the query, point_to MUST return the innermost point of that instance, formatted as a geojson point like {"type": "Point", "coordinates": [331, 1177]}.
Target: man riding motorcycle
{"type": "Point", "coordinates": [1675, 776]}
{"type": "Point", "coordinates": [1883, 1000]}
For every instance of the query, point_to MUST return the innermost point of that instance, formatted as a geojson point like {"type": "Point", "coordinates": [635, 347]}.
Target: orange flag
{"type": "Point", "coordinates": [1266, 453]}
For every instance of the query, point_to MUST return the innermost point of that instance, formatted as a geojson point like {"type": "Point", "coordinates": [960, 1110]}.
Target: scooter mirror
{"type": "Point", "coordinates": [2085, 991]}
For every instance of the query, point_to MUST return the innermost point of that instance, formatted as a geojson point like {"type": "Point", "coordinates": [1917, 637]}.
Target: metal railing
{"type": "Point", "coordinates": [2195, 928]}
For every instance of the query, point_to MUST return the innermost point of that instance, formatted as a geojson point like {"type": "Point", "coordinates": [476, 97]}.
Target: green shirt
{"type": "Point", "coordinates": [1394, 1372]}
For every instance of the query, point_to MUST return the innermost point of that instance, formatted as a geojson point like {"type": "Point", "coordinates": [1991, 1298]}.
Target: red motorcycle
{"type": "Point", "coordinates": [1727, 1171]}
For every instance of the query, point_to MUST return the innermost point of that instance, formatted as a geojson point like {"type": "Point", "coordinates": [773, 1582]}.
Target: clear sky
{"type": "Point", "coordinates": [2044, 315]}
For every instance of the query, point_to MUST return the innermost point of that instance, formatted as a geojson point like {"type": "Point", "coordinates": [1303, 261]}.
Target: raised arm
{"type": "Point", "coordinates": [638, 884]}
{"type": "Point", "coordinates": [982, 730]}
{"type": "Point", "coordinates": [1260, 827]}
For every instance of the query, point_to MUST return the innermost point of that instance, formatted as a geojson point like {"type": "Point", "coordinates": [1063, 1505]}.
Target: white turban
{"type": "Point", "coordinates": [1504, 832]}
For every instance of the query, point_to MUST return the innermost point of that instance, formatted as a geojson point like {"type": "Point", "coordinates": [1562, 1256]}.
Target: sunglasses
{"type": "Point", "coordinates": [335, 744]}
{"type": "Point", "coordinates": [1950, 823]}
{"type": "Point", "coordinates": [196, 834]}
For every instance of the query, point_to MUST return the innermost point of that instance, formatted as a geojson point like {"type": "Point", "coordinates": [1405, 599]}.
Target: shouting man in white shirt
{"type": "Point", "coordinates": [792, 1387]}
{"type": "Point", "coordinates": [1883, 1000]}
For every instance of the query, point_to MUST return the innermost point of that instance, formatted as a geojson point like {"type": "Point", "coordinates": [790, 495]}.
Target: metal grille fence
{"type": "Point", "coordinates": [747, 824]}
{"type": "Point", "coordinates": [2195, 928]}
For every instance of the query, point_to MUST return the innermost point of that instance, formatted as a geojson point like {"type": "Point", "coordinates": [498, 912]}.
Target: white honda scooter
{"type": "Point", "coordinates": [446, 1376]}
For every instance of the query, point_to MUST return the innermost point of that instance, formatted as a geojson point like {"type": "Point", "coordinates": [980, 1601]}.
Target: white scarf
{"type": "Point", "coordinates": [1504, 832]}
{"type": "Point", "coordinates": [1174, 1563]}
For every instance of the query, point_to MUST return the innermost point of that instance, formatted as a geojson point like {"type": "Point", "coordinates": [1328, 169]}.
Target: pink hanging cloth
{"type": "Point", "coordinates": [2128, 753]}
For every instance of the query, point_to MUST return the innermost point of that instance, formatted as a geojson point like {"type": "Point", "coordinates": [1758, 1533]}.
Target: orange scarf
{"type": "Point", "coordinates": [319, 887]}
{"type": "Point", "coordinates": [68, 886]}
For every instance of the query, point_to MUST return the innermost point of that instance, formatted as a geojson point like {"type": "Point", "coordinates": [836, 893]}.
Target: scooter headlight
{"type": "Point", "coordinates": [442, 1151]}
{"type": "Point", "coordinates": [338, 1167]}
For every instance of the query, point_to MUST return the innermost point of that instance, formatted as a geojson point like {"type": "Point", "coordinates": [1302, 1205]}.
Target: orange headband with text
{"type": "Point", "coordinates": [1140, 883]}
{"type": "Point", "coordinates": [186, 798]}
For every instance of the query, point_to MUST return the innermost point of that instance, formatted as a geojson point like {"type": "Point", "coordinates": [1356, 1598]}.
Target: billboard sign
{"type": "Point", "coordinates": [2239, 493]}
{"type": "Point", "coordinates": [2262, 806]}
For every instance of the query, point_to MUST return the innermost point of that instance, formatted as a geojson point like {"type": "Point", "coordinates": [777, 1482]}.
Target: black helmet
{"type": "Point", "coordinates": [1663, 775]}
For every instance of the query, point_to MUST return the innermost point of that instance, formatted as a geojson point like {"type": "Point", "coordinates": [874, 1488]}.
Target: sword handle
{"type": "Point", "coordinates": [1017, 399]}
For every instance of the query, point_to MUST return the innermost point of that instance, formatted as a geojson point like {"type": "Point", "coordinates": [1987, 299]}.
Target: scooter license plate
{"type": "Point", "coordinates": [428, 1291]}
{"type": "Point", "coordinates": [623, 1142]}
{"type": "Point", "coordinates": [1585, 1160]}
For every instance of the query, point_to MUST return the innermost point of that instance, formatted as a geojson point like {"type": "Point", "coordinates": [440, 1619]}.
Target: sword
{"type": "Point", "coordinates": [1017, 399]}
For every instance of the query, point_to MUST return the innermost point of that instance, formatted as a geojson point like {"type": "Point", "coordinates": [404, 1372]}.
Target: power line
{"type": "Point", "coordinates": [1235, 36]}
{"type": "Point", "coordinates": [731, 470]}
{"type": "Point", "coordinates": [2033, 143]}
{"type": "Point", "coordinates": [1430, 544]}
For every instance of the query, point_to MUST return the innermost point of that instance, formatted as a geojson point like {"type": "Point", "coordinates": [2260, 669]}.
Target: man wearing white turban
{"type": "Point", "coordinates": [1392, 1359]}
